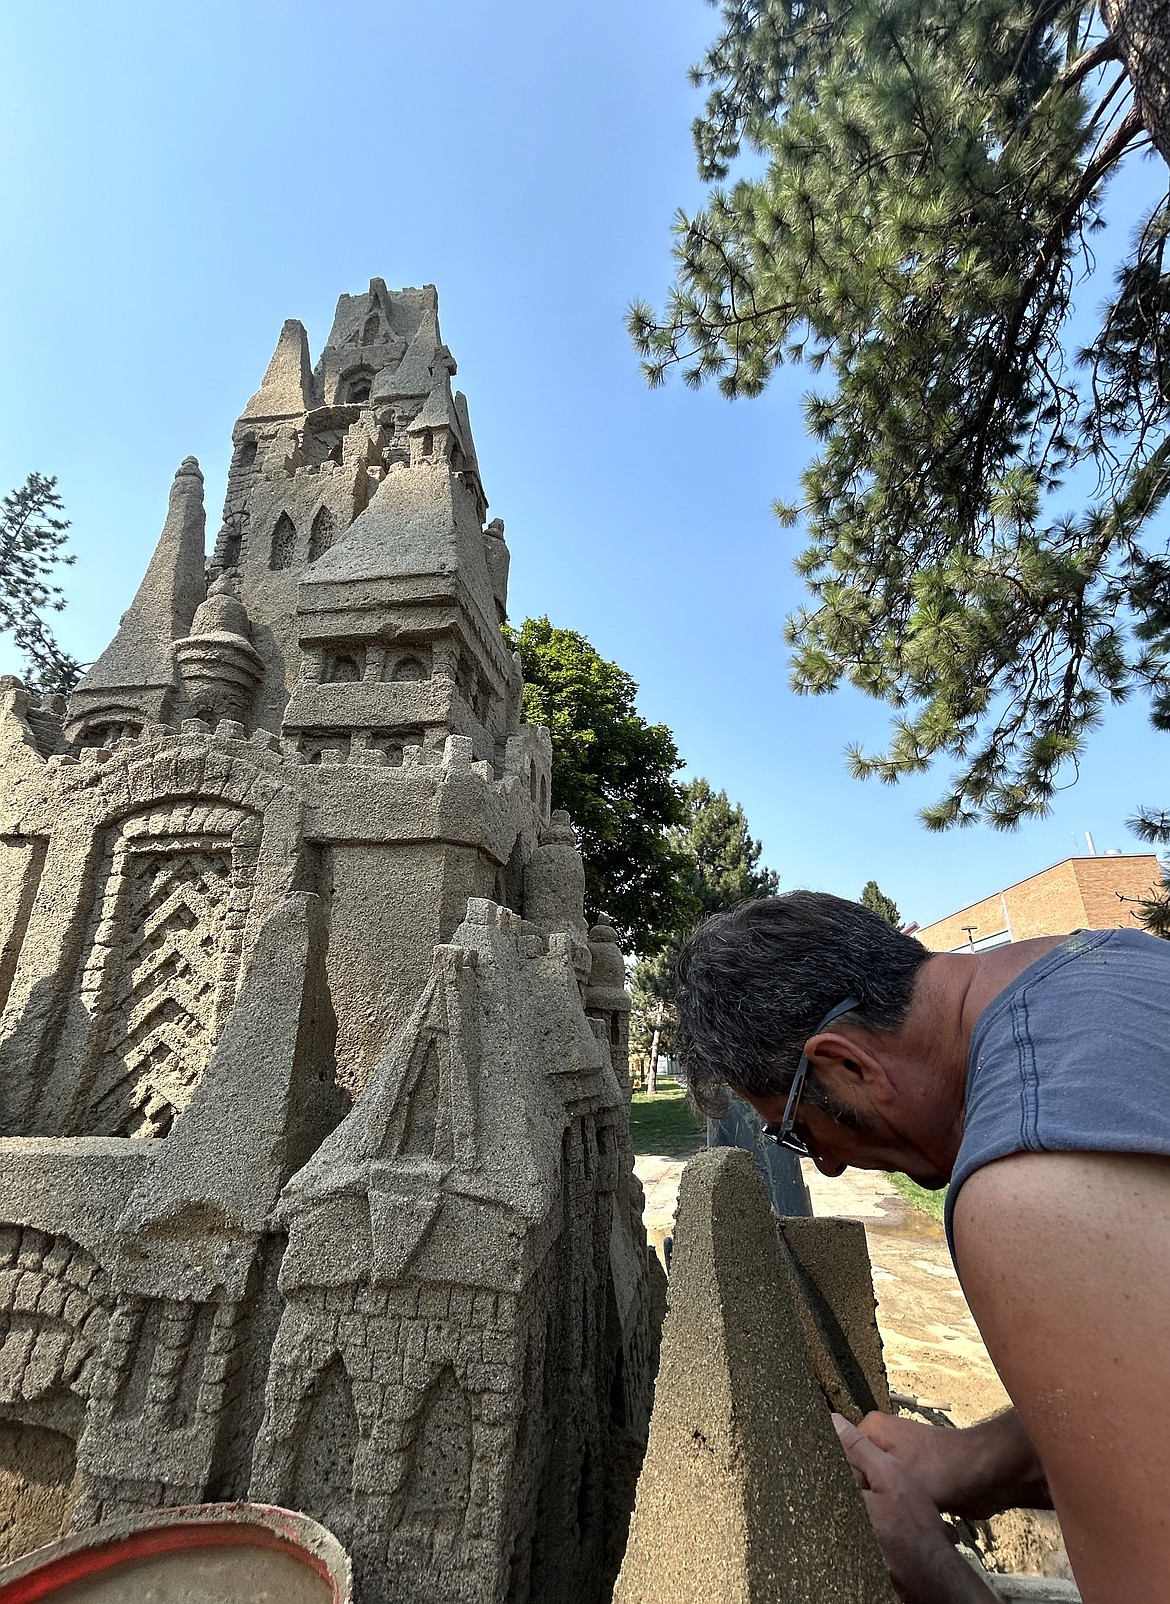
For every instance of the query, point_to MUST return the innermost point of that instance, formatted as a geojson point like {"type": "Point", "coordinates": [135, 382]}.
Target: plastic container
{"type": "Point", "coordinates": [203, 1554]}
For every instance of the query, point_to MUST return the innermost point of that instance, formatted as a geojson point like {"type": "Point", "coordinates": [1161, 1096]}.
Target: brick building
{"type": "Point", "coordinates": [1083, 893]}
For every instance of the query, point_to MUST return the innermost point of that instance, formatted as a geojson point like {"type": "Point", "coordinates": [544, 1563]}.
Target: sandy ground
{"type": "Point", "coordinates": [932, 1347]}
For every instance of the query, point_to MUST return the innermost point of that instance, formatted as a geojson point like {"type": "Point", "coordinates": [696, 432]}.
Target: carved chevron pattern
{"type": "Point", "coordinates": [162, 1016]}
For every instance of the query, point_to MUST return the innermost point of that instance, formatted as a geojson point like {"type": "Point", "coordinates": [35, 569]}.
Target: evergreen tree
{"type": "Point", "coordinates": [725, 871]}
{"type": "Point", "coordinates": [31, 538]}
{"type": "Point", "coordinates": [726, 857]}
{"type": "Point", "coordinates": [934, 170]}
{"type": "Point", "coordinates": [613, 772]}
{"type": "Point", "coordinates": [1154, 912]}
{"type": "Point", "coordinates": [875, 899]}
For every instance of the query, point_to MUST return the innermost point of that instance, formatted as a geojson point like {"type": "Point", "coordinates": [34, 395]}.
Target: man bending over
{"type": "Point", "coordinates": [1035, 1078]}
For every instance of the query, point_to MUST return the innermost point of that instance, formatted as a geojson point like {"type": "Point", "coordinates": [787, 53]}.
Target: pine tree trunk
{"type": "Point", "coordinates": [1142, 29]}
{"type": "Point", "coordinates": [652, 1073]}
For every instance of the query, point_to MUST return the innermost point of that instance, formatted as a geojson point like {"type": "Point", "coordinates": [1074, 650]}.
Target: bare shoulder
{"type": "Point", "coordinates": [1065, 1260]}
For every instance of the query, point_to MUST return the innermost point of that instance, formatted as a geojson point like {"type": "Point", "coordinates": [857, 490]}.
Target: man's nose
{"type": "Point", "coordinates": [828, 1167]}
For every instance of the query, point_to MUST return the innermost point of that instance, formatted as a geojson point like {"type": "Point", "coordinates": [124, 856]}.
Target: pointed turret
{"type": "Point", "coordinates": [465, 432]}
{"type": "Point", "coordinates": [381, 345]}
{"type": "Point", "coordinates": [438, 411]}
{"type": "Point", "coordinates": [130, 683]}
{"type": "Point", "coordinates": [441, 430]}
{"type": "Point", "coordinates": [288, 387]}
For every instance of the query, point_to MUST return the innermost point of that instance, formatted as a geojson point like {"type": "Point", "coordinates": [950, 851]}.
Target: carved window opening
{"type": "Point", "coordinates": [409, 668]}
{"type": "Point", "coordinates": [344, 667]}
{"type": "Point", "coordinates": [325, 445]}
{"type": "Point", "coordinates": [321, 535]}
{"type": "Point", "coordinates": [107, 734]}
{"type": "Point", "coordinates": [326, 1440]}
{"type": "Point", "coordinates": [232, 539]}
{"type": "Point", "coordinates": [159, 1038]}
{"type": "Point", "coordinates": [372, 329]}
{"type": "Point", "coordinates": [514, 878]}
{"type": "Point", "coordinates": [438, 1483]}
{"type": "Point", "coordinates": [284, 543]}
{"type": "Point", "coordinates": [428, 442]}
{"type": "Point", "coordinates": [245, 454]}
{"type": "Point", "coordinates": [464, 679]}
{"type": "Point", "coordinates": [358, 388]}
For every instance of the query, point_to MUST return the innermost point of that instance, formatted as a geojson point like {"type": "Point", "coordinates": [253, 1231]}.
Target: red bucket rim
{"type": "Point", "coordinates": [89, 1553]}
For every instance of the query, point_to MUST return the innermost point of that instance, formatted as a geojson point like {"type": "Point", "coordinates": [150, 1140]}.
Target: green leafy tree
{"type": "Point", "coordinates": [725, 871]}
{"type": "Point", "coordinates": [613, 772]}
{"type": "Point", "coordinates": [652, 1011]}
{"type": "Point", "coordinates": [31, 537]}
{"type": "Point", "coordinates": [985, 551]}
{"type": "Point", "coordinates": [874, 898]}
{"type": "Point", "coordinates": [727, 860]}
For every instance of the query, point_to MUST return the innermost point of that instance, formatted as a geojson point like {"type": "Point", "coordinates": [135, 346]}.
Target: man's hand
{"type": "Point", "coordinates": [918, 1548]}
{"type": "Point", "coordinates": [973, 1473]}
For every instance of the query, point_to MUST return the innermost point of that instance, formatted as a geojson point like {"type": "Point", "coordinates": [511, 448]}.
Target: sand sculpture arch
{"type": "Point", "coordinates": [54, 1315]}
{"type": "Point", "coordinates": [54, 1311]}
{"type": "Point", "coordinates": [177, 884]}
{"type": "Point", "coordinates": [175, 845]}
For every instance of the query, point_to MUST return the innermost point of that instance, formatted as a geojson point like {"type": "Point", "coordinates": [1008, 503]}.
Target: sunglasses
{"type": "Point", "coordinates": [784, 1133]}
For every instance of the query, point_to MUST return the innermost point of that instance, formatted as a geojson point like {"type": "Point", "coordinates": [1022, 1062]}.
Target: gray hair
{"type": "Point", "coordinates": [754, 983]}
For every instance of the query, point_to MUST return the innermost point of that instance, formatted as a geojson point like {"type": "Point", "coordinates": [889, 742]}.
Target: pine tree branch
{"type": "Point", "coordinates": [1120, 82]}
{"type": "Point", "coordinates": [1048, 258]}
{"type": "Point", "coordinates": [1107, 50]}
{"type": "Point", "coordinates": [1046, 14]}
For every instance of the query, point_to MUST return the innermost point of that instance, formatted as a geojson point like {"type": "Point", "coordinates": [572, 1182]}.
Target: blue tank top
{"type": "Point", "coordinates": [1072, 1057]}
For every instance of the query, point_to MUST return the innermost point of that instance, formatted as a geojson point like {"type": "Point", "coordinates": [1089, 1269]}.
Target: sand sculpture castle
{"type": "Point", "coordinates": [315, 1179]}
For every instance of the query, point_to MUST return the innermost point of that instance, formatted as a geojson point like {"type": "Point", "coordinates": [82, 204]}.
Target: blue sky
{"type": "Point", "coordinates": [175, 181]}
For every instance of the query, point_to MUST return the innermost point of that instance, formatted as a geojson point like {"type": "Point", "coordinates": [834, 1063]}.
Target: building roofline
{"type": "Point", "coordinates": [1057, 863]}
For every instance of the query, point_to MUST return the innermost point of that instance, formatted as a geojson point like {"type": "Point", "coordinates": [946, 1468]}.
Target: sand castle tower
{"type": "Point", "coordinates": [315, 1179]}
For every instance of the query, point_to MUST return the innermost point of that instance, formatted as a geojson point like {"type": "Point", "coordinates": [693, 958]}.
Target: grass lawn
{"type": "Point", "coordinates": [932, 1203]}
{"type": "Point", "coordinates": [665, 1124]}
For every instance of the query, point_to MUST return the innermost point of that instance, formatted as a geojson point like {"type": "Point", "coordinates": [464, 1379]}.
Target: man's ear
{"type": "Point", "coordinates": [845, 1065]}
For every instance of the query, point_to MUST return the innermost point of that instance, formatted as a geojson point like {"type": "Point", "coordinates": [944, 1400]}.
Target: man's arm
{"type": "Point", "coordinates": [975, 1472]}
{"type": "Point", "coordinates": [1065, 1261]}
